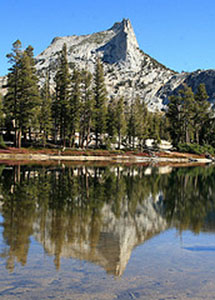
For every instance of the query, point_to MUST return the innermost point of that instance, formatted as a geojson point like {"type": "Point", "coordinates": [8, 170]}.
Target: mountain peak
{"type": "Point", "coordinates": [128, 70]}
{"type": "Point", "coordinates": [122, 47]}
{"type": "Point", "coordinates": [126, 27]}
{"type": "Point", "coordinates": [127, 24]}
{"type": "Point", "coordinates": [119, 26]}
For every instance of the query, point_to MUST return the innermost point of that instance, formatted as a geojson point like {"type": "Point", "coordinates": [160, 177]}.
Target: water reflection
{"type": "Point", "coordinates": [99, 214]}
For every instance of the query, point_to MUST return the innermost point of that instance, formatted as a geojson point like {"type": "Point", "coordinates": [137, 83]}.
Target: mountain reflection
{"type": "Point", "coordinates": [99, 214]}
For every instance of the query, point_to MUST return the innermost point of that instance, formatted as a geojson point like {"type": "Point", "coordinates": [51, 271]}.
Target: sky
{"type": "Point", "coordinates": [177, 33]}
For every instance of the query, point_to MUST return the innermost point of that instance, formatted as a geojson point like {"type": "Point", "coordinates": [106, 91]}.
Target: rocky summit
{"type": "Point", "coordinates": [128, 70]}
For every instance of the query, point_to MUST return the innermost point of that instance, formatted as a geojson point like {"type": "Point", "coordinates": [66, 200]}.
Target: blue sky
{"type": "Point", "coordinates": [178, 33]}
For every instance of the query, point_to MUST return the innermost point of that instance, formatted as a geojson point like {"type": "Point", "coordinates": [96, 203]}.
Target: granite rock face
{"type": "Point", "coordinates": [128, 70]}
{"type": "Point", "coordinates": [191, 79]}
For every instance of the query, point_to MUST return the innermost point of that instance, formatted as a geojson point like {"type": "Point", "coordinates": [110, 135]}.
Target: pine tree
{"type": "Point", "coordinates": [145, 123]}
{"type": "Point", "coordinates": [2, 118]}
{"type": "Point", "coordinates": [100, 98]}
{"type": "Point", "coordinates": [45, 118]}
{"type": "Point", "coordinates": [1, 111]}
{"type": "Point", "coordinates": [208, 134]}
{"type": "Point", "coordinates": [55, 109]}
{"type": "Point", "coordinates": [87, 104]}
{"type": "Point", "coordinates": [187, 115]}
{"type": "Point", "coordinates": [74, 105]}
{"type": "Point", "coordinates": [174, 115]}
{"type": "Point", "coordinates": [201, 113]}
{"type": "Point", "coordinates": [13, 88]}
{"type": "Point", "coordinates": [135, 124]}
{"type": "Point", "coordinates": [181, 114]}
{"type": "Point", "coordinates": [130, 124]}
{"type": "Point", "coordinates": [30, 93]}
{"type": "Point", "coordinates": [120, 120]}
{"type": "Point", "coordinates": [164, 127]}
{"type": "Point", "coordinates": [156, 117]}
{"type": "Point", "coordinates": [61, 102]}
{"type": "Point", "coordinates": [22, 96]}
{"type": "Point", "coordinates": [111, 122]}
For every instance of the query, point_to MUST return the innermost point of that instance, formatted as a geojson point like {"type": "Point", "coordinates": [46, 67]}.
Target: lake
{"type": "Point", "coordinates": [107, 232]}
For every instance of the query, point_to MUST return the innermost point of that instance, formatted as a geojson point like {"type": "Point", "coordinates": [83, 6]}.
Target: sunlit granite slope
{"type": "Point", "coordinates": [193, 80]}
{"type": "Point", "coordinates": [128, 70]}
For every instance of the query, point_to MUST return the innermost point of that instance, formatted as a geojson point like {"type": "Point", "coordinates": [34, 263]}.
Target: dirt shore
{"type": "Point", "coordinates": [170, 158]}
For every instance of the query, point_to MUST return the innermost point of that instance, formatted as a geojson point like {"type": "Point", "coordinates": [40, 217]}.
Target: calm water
{"type": "Point", "coordinates": [107, 232]}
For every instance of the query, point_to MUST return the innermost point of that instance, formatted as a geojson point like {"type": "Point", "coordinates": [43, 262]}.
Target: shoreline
{"type": "Point", "coordinates": [102, 158]}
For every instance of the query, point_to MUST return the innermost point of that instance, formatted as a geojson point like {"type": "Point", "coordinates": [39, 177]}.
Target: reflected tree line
{"type": "Point", "coordinates": [189, 198]}
{"type": "Point", "coordinates": [67, 203]}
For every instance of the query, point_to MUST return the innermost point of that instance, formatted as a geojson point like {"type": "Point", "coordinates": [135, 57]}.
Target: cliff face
{"type": "Point", "coordinates": [128, 70]}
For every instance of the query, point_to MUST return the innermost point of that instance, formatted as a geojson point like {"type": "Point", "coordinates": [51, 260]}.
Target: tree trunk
{"type": "Point", "coordinates": [133, 142]}
{"type": "Point", "coordinates": [18, 138]}
{"type": "Point", "coordinates": [44, 139]}
{"type": "Point", "coordinates": [79, 140]}
{"type": "Point", "coordinates": [97, 139]}
{"type": "Point", "coordinates": [119, 140]}
{"type": "Point", "coordinates": [55, 134]}
{"type": "Point", "coordinates": [187, 137]}
{"type": "Point", "coordinates": [29, 134]}
{"type": "Point", "coordinates": [87, 137]}
{"type": "Point", "coordinates": [70, 143]}
{"type": "Point", "coordinates": [197, 137]}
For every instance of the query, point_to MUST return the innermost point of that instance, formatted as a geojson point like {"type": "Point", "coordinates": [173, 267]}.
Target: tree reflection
{"type": "Point", "coordinates": [190, 198]}
{"type": "Point", "coordinates": [99, 214]}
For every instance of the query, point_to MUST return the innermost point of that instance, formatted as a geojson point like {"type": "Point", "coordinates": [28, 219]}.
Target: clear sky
{"type": "Point", "coordinates": [178, 33]}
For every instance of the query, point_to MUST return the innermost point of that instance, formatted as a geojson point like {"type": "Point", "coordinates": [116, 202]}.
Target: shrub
{"type": "Point", "coordinates": [196, 149]}
{"type": "Point", "coordinates": [2, 143]}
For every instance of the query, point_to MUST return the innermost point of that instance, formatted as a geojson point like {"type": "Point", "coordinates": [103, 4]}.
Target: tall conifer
{"type": "Point", "coordinates": [22, 96]}
{"type": "Point", "coordinates": [111, 121]}
{"type": "Point", "coordinates": [61, 103]}
{"type": "Point", "coordinates": [74, 105]}
{"type": "Point", "coordinates": [45, 118]}
{"type": "Point", "coordinates": [30, 92]}
{"type": "Point", "coordinates": [201, 113]}
{"type": "Point", "coordinates": [120, 120]}
{"type": "Point", "coordinates": [2, 118]}
{"type": "Point", "coordinates": [13, 87]}
{"type": "Point", "coordinates": [135, 124]}
{"type": "Point", "coordinates": [87, 105]}
{"type": "Point", "coordinates": [180, 114]}
{"type": "Point", "coordinates": [100, 96]}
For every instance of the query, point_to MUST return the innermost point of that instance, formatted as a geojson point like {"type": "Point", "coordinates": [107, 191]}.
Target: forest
{"type": "Point", "coordinates": [76, 111]}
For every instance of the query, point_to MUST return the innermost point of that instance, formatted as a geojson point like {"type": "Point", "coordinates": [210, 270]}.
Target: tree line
{"type": "Point", "coordinates": [78, 109]}
{"type": "Point", "coordinates": [191, 118]}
